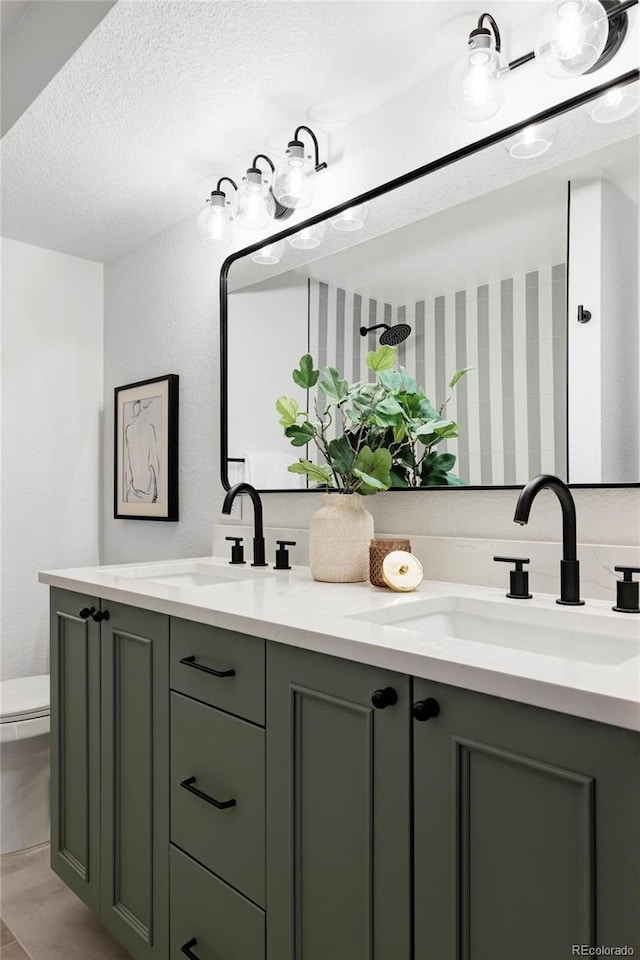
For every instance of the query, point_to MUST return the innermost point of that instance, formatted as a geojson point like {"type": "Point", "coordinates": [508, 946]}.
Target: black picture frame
{"type": "Point", "coordinates": [557, 110]}
{"type": "Point", "coordinates": [145, 450]}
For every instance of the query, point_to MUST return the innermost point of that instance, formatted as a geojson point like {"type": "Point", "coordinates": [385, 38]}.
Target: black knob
{"type": "Point", "coordinates": [282, 554]}
{"type": "Point", "coordinates": [87, 612]}
{"type": "Point", "coordinates": [628, 591]}
{"type": "Point", "coordinates": [425, 709]}
{"type": "Point", "coordinates": [384, 698]}
{"type": "Point", "coordinates": [237, 550]}
{"type": "Point", "coordinates": [518, 578]}
{"type": "Point", "coordinates": [100, 615]}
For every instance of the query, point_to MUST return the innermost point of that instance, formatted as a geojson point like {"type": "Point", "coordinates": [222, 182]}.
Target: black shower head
{"type": "Point", "coordinates": [392, 336]}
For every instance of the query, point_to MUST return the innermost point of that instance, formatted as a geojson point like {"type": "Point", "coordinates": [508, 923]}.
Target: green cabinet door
{"type": "Point", "coordinates": [135, 779]}
{"type": "Point", "coordinates": [338, 810]}
{"type": "Point", "coordinates": [75, 744]}
{"type": "Point", "coordinates": [527, 834]}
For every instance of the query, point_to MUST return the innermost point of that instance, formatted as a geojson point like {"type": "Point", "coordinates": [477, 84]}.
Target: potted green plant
{"type": "Point", "coordinates": [388, 434]}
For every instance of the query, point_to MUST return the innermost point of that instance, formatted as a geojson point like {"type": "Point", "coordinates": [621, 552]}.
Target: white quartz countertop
{"type": "Point", "coordinates": [583, 661]}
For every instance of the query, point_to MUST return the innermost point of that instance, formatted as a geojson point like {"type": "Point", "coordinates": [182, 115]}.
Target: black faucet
{"type": "Point", "coordinates": [258, 533]}
{"type": "Point", "coordinates": [569, 565]}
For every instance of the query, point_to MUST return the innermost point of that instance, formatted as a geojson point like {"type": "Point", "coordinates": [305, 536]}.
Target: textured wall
{"type": "Point", "coordinates": [52, 308]}
{"type": "Point", "coordinates": [162, 317]}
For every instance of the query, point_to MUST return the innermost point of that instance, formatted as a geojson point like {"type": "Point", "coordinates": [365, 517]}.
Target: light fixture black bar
{"type": "Point", "coordinates": [319, 166]}
{"type": "Point", "coordinates": [232, 182]}
{"type": "Point", "coordinates": [494, 27]}
{"type": "Point", "coordinates": [611, 13]}
{"type": "Point", "coordinates": [262, 156]}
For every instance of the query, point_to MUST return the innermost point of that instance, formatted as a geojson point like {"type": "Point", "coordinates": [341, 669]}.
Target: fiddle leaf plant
{"type": "Point", "coordinates": [389, 430]}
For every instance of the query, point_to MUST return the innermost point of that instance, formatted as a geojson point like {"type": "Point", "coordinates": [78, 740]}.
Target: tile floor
{"type": "Point", "coordinates": [42, 919]}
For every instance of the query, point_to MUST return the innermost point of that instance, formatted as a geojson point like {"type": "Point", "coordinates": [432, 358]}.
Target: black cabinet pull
{"type": "Point", "coordinates": [87, 612]}
{"type": "Point", "coordinates": [100, 615]}
{"type": "Point", "coordinates": [220, 804]}
{"type": "Point", "coordinates": [384, 698]}
{"type": "Point", "coordinates": [425, 709]}
{"type": "Point", "coordinates": [191, 662]}
{"type": "Point", "coordinates": [188, 952]}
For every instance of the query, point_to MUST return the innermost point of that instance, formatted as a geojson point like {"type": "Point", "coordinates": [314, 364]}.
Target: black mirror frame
{"type": "Point", "coordinates": [460, 154]}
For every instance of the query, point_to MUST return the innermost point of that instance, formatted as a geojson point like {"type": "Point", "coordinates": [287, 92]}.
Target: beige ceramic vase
{"type": "Point", "coordinates": [339, 537]}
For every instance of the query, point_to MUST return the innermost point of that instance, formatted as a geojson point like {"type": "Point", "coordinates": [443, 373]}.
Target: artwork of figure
{"type": "Point", "coordinates": [142, 420]}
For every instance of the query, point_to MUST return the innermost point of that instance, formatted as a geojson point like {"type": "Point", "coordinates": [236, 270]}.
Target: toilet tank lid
{"type": "Point", "coordinates": [24, 698]}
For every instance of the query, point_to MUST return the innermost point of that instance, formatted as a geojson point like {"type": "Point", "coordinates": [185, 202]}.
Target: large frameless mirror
{"type": "Point", "coordinates": [517, 262]}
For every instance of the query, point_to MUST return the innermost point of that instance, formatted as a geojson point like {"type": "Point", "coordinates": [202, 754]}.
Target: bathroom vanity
{"type": "Point", "coordinates": [255, 766]}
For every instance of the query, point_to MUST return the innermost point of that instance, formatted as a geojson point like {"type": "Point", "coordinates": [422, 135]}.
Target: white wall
{"type": "Point", "coordinates": [52, 332]}
{"type": "Point", "coordinates": [162, 317]}
{"type": "Point", "coordinates": [267, 335]}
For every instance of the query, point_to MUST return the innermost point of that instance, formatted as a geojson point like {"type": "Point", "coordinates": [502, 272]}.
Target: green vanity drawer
{"type": "Point", "coordinates": [208, 649]}
{"type": "Point", "coordinates": [227, 758]}
{"type": "Point", "coordinates": [223, 924]}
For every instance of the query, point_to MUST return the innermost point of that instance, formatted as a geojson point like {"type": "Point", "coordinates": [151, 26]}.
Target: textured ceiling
{"type": "Point", "coordinates": [163, 97]}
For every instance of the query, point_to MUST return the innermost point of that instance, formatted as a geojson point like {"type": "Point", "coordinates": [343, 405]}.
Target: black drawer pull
{"type": "Point", "coordinates": [191, 662]}
{"type": "Point", "coordinates": [87, 612]}
{"type": "Point", "coordinates": [220, 804]}
{"type": "Point", "coordinates": [188, 952]}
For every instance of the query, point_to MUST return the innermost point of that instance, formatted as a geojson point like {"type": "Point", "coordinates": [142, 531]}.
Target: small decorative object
{"type": "Point", "coordinates": [146, 450]}
{"type": "Point", "coordinates": [378, 550]}
{"type": "Point", "coordinates": [402, 571]}
{"type": "Point", "coordinates": [339, 536]}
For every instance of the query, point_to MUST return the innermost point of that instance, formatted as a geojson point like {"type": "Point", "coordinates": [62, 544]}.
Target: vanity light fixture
{"type": "Point", "coordinates": [256, 203]}
{"type": "Point", "coordinates": [293, 181]}
{"type": "Point", "coordinates": [353, 218]}
{"type": "Point", "coordinates": [616, 104]}
{"type": "Point", "coordinates": [269, 255]}
{"type": "Point", "coordinates": [574, 37]}
{"type": "Point", "coordinates": [475, 87]}
{"type": "Point", "coordinates": [309, 237]}
{"type": "Point", "coordinates": [531, 142]}
{"type": "Point", "coordinates": [215, 222]}
{"type": "Point", "coordinates": [571, 37]}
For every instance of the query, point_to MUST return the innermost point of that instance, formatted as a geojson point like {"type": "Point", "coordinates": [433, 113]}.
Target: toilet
{"type": "Point", "coordinates": [24, 763]}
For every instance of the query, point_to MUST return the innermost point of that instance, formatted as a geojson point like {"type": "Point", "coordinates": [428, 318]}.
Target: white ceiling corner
{"type": "Point", "coordinates": [161, 98]}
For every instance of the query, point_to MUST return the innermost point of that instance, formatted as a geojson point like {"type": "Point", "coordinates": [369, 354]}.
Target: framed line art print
{"type": "Point", "coordinates": [146, 450]}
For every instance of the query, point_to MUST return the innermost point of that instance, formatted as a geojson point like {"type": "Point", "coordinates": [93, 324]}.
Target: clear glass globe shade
{"type": "Point", "coordinates": [255, 207]}
{"type": "Point", "coordinates": [531, 142]}
{"type": "Point", "coordinates": [616, 104]}
{"type": "Point", "coordinates": [270, 254]}
{"type": "Point", "coordinates": [293, 183]}
{"type": "Point", "coordinates": [571, 37]}
{"type": "Point", "coordinates": [476, 88]}
{"type": "Point", "coordinates": [354, 218]}
{"type": "Point", "coordinates": [309, 237]}
{"type": "Point", "coordinates": [214, 227]}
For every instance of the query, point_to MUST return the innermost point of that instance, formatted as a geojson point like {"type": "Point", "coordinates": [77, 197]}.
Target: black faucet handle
{"type": "Point", "coordinates": [282, 554]}
{"type": "Point", "coordinates": [519, 578]}
{"type": "Point", "coordinates": [628, 591]}
{"type": "Point", "coordinates": [237, 550]}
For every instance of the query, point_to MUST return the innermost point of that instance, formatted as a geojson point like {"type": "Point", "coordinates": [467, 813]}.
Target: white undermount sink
{"type": "Point", "coordinates": [189, 574]}
{"type": "Point", "coordinates": [571, 633]}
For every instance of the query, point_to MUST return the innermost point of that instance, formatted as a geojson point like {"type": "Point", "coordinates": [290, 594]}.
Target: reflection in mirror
{"type": "Point", "coordinates": [489, 264]}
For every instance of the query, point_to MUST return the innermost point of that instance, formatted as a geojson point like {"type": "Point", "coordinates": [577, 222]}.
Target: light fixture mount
{"type": "Point", "coordinates": [481, 36]}
{"type": "Point", "coordinates": [295, 147]}
{"type": "Point", "coordinates": [618, 26]}
{"type": "Point", "coordinates": [254, 175]}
